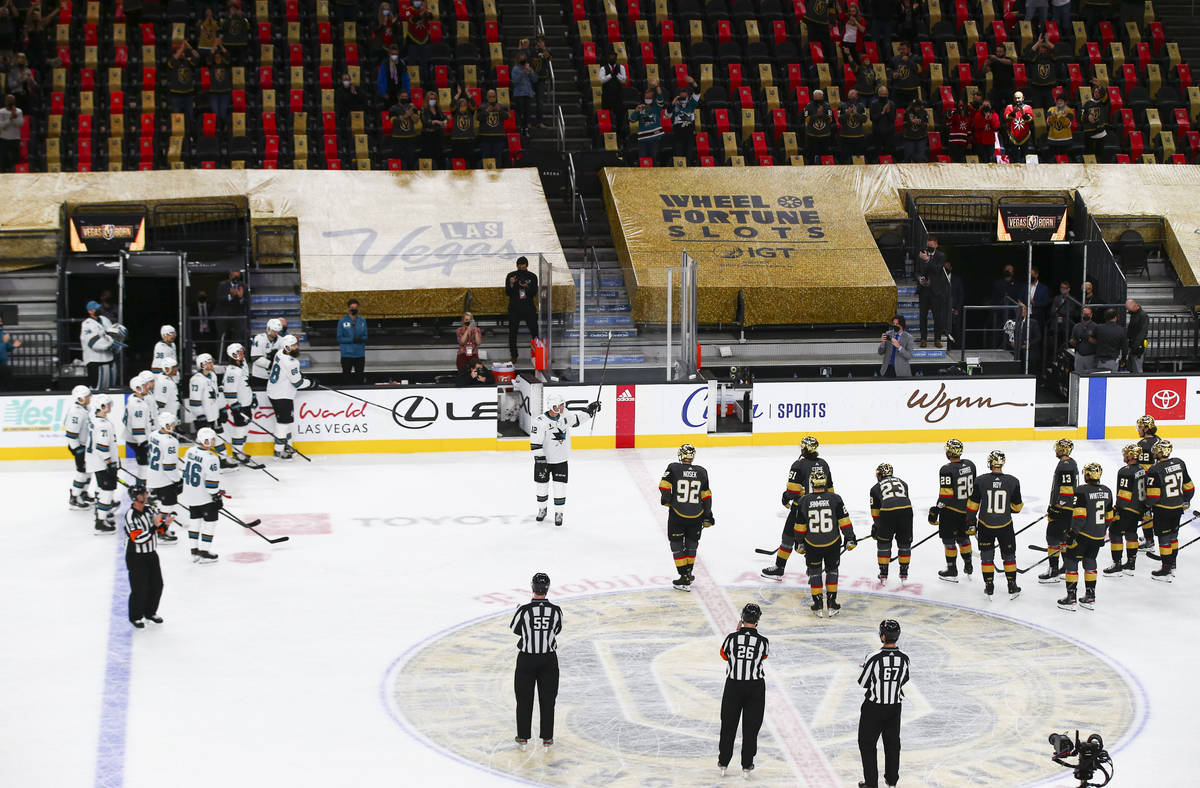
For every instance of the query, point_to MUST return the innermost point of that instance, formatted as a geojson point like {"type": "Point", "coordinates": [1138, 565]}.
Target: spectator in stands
{"type": "Point", "coordinates": [1060, 12]}
{"type": "Point", "coordinates": [864, 75]}
{"type": "Point", "coordinates": [1041, 69]}
{"type": "Point", "coordinates": [915, 136]}
{"type": "Point", "coordinates": [352, 342]}
{"type": "Point", "coordinates": [208, 31]}
{"type": "Point", "coordinates": [490, 128]}
{"type": "Point", "coordinates": [1135, 336]}
{"type": "Point", "coordinates": [392, 77]}
{"type": "Point", "coordinates": [383, 31]}
{"type": "Point", "coordinates": [1003, 80]}
{"type": "Point", "coordinates": [883, 15]}
{"type": "Point", "coordinates": [1018, 129]}
{"type": "Point", "coordinates": [181, 80]}
{"type": "Point", "coordinates": [932, 290]}
{"type": "Point", "coordinates": [231, 299]}
{"type": "Point", "coordinates": [852, 127]}
{"type": "Point", "coordinates": [818, 128]}
{"type": "Point", "coordinates": [1037, 12]}
{"type": "Point", "coordinates": [8, 31]}
{"type": "Point", "coordinates": [906, 75]}
{"type": "Point", "coordinates": [539, 60]}
{"type": "Point", "coordinates": [523, 78]}
{"type": "Point", "coordinates": [854, 31]}
{"type": "Point", "coordinates": [236, 37]}
{"type": "Point", "coordinates": [1083, 340]}
{"type": "Point", "coordinates": [1060, 127]}
{"type": "Point", "coordinates": [1110, 342]}
{"type": "Point", "coordinates": [38, 34]}
{"type": "Point", "coordinates": [1062, 312]}
{"type": "Point", "coordinates": [202, 316]}
{"type": "Point", "coordinates": [348, 98]}
{"type": "Point", "coordinates": [11, 121]}
{"type": "Point", "coordinates": [819, 15]}
{"type": "Point", "coordinates": [961, 127]}
{"type": "Point", "coordinates": [986, 123]}
{"type": "Point", "coordinates": [459, 91]}
{"type": "Point", "coordinates": [1094, 124]}
{"type": "Point", "coordinates": [883, 121]}
{"type": "Point", "coordinates": [648, 117]}
{"type": "Point", "coordinates": [909, 21]}
{"type": "Point", "coordinates": [220, 85]}
{"type": "Point", "coordinates": [416, 20]}
{"type": "Point", "coordinates": [23, 84]}
{"type": "Point", "coordinates": [521, 286]}
{"type": "Point", "coordinates": [613, 78]}
{"type": "Point", "coordinates": [463, 144]}
{"type": "Point", "coordinates": [475, 375]}
{"type": "Point", "coordinates": [406, 132]}
{"type": "Point", "coordinates": [469, 339]}
{"type": "Point", "coordinates": [7, 345]}
{"type": "Point", "coordinates": [434, 123]}
{"type": "Point", "coordinates": [1095, 12]}
{"type": "Point", "coordinates": [896, 350]}
{"type": "Point", "coordinates": [683, 120]}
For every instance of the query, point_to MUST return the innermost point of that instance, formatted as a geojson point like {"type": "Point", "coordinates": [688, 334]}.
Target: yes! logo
{"type": "Point", "coordinates": [37, 414]}
{"type": "Point", "coordinates": [1166, 398]}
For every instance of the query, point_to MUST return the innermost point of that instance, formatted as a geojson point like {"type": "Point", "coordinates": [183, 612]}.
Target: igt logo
{"type": "Point", "coordinates": [1166, 398]}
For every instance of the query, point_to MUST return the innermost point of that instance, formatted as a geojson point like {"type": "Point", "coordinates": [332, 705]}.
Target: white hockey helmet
{"type": "Point", "coordinates": [290, 341]}
{"type": "Point", "coordinates": [136, 382]}
{"type": "Point", "coordinates": [233, 350]}
{"type": "Point", "coordinates": [274, 324]}
{"type": "Point", "coordinates": [169, 362]}
{"type": "Point", "coordinates": [167, 420]}
{"type": "Point", "coordinates": [100, 402]}
{"type": "Point", "coordinates": [202, 359]}
{"type": "Point", "coordinates": [80, 393]}
{"type": "Point", "coordinates": [206, 436]}
{"type": "Point", "coordinates": [551, 400]}
{"type": "Point", "coordinates": [166, 331]}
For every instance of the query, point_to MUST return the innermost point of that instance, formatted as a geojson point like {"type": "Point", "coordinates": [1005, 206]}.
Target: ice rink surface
{"type": "Point", "coordinates": [372, 648]}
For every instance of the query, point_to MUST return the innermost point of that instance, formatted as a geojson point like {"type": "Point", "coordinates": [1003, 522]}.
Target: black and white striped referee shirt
{"type": "Point", "coordinates": [884, 675]}
{"type": "Point", "coordinates": [744, 651]}
{"type": "Point", "coordinates": [139, 527]}
{"type": "Point", "coordinates": [537, 624]}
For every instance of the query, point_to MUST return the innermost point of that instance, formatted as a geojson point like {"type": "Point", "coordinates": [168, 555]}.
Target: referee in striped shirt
{"type": "Point", "coordinates": [884, 675]}
{"type": "Point", "coordinates": [745, 695]}
{"type": "Point", "coordinates": [537, 623]}
{"type": "Point", "coordinates": [142, 527]}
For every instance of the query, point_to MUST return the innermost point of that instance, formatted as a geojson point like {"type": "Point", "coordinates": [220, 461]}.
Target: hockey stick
{"type": "Point", "coordinates": [761, 551]}
{"type": "Point", "coordinates": [918, 544]}
{"type": "Point", "coordinates": [241, 455]}
{"type": "Point", "coordinates": [250, 526]}
{"type": "Point", "coordinates": [1035, 522]}
{"type": "Point", "coordinates": [351, 396]}
{"type": "Point", "coordinates": [1034, 566]}
{"type": "Point", "coordinates": [603, 373]}
{"type": "Point", "coordinates": [289, 445]}
{"type": "Point", "coordinates": [1157, 557]}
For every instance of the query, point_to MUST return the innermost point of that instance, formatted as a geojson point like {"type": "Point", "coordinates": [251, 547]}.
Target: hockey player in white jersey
{"type": "Point", "coordinates": [99, 337]}
{"type": "Point", "coordinates": [238, 400]}
{"type": "Point", "coordinates": [263, 348]}
{"type": "Point", "coordinates": [550, 440]}
{"type": "Point", "coordinates": [75, 427]}
{"type": "Point", "coordinates": [282, 385]}
{"type": "Point", "coordinates": [102, 461]}
{"type": "Point", "coordinates": [166, 471]}
{"type": "Point", "coordinates": [139, 423]}
{"type": "Point", "coordinates": [202, 494]}
{"type": "Point", "coordinates": [163, 349]}
{"type": "Point", "coordinates": [202, 402]}
{"type": "Point", "coordinates": [166, 390]}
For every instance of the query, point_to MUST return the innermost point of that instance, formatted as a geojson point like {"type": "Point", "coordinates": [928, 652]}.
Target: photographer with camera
{"type": "Point", "coordinates": [896, 348]}
{"type": "Point", "coordinates": [932, 290]}
{"type": "Point", "coordinates": [883, 675]}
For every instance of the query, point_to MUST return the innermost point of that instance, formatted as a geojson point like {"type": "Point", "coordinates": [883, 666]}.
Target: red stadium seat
{"type": "Point", "coordinates": [721, 121]}
{"type": "Point", "coordinates": [209, 125]}
{"type": "Point", "coordinates": [1136, 146]}
{"type": "Point", "coordinates": [458, 164]}
{"type": "Point", "coordinates": [1128, 77]}
{"type": "Point", "coordinates": [441, 76]}
{"type": "Point", "coordinates": [779, 31]}
{"type": "Point", "coordinates": [146, 151]}
{"type": "Point", "coordinates": [1020, 77]}
{"type": "Point", "coordinates": [815, 53]}
{"type": "Point", "coordinates": [1115, 102]}
{"type": "Point", "coordinates": [758, 141]}
{"type": "Point", "coordinates": [613, 28]}
{"type": "Point", "coordinates": [766, 160]}
{"type": "Point", "coordinates": [707, 161]}
{"type": "Point", "coordinates": [603, 121]}
{"type": "Point", "coordinates": [981, 55]}
{"type": "Point", "coordinates": [149, 78]}
{"type": "Point", "coordinates": [292, 11]}
{"type": "Point", "coordinates": [502, 76]}
{"type": "Point", "coordinates": [239, 100]}
{"type": "Point", "coordinates": [385, 123]}
{"type": "Point", "coordinates": [514, 146]}
{"type": "Point", "coordinates": [146, 124]}
{"type": "Point", "coordinates": [589, 53]}
{"type": "Point", "coordinates": [1074, 79]}
{"type": "Point", "coordinates": [802, 99]}
{"type": "Point", "coordinates": [667, 31]}
{"type": "Point", "coordinates": [91, 36]}
{"type": "Point", "coordinates": [927, 53]}
{"type": "Point", "coordinates": [935, 144]}
{"type": "Point", "coordinates": [1093, 53]}
{"type": "Point", "coordinates": [645, 161]}
{"type": "Point", "coordinates": [331, 147]}
{"type": "Point", "coordinates": [351, 54]}
{"type": "Point", "coordinates": [1178, 158]}
{"type": "Point", "coordinates": [795, 76]}
{"type": "Point", "coordinates": [826, 161]}
{"type": "Point", "coordinates": [1061, 158]}
{"type": "Point", "coordinates": [681, 75]}
{"type": "Point", "coordinates": [296, 100]}
{"type": "Point", "coordinates": [1182, 122]}
{"type": "Point", "coordinates": [491, 32]}
{"type": "Point", "coordinates": [436, 35]}
{"type": "Point", "coordinates": [999, 34]}
{"type": "Point", "coordinates": [885, 158]}
{"type": "Point", "coordinates": [1053, 34]}
{"type": "Point", "coordinates": [87, 79]}
{"type": "Point", "coordinates": [779, 123]}
{"type": "Point", "coordinates": [947, 95]}
{"type": "Point", "coordinates": [295, 55]}
{"type": "Point", "coordinates": [268, 123]}
{"type": "Point", "coordinates": [702, 148]}
{"type": "Point", "coordinates": [724, 31]}
{"type": "Point", "coordinates": [1106, 35]}
{"type": "Point", "coordinates": [1122, 158]}
{"type": "Point", "coordinates": [1143, 55]}
{"type": "Point", "coordinates": [871, 50]}
{"type": "Point", "coordinates": [734, 70]}
{"type": "Point", "coordinates": [745, 97]}
{"type": "Point", "coordinates": [205, 79]}
{"type": "Point", "coordinates": [633, 10]}
{"type": "Point", "coordinates": [329, 123]}
{"type": "Point", "coordinates": [57, 103]}
{"type": "Point", "coordinates": [266, 77]}
{"type": "Point", "coordinates": [1126, 122]}
{"type": "Point", "coordinates": [578, 10]}
{"type": "Point", "coordinates": [208, 165]}
{"type": "Point", "coordinates": [264, 33]}
{"type": "Point", "coordinates": [1184, 72]}
{"type": "Point", "coordinates": [325, 77]}
{"type": "Point", "coordinates": [324, 33]}
{"type": "Point", "coordinates": [121, 56]}
{"type": "Point", "coordinates": [148, 37]}
{"type": "Point", "coordinates": [116, 103]}
{"type": "Point", "coordinates": [1158, 39]}
{"type": "Point", "coordinates": [270, 147]}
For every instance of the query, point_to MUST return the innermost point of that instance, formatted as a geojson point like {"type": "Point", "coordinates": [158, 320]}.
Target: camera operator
{"type": "Point", "coordinates": [987, 123]}
{"type": "Point", "coordinates": [883, 675]}
{"type": "Point", "coordinates": [896, 348]}
{"type": "Point", "coordinates": [475, 375]}
{"type": "Point", "coordinates": [929, 290]}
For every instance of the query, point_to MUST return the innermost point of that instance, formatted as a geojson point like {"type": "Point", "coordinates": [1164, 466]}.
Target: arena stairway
{"type": "Point", "coordinates": [35, 292]}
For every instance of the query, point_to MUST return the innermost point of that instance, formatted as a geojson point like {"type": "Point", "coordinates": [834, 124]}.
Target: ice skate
{"type": "Point", "coordinates": [104, 527]}
{"type": "Point", "coordinates": [205, 557]}
{"type": "Point", "coordinates": [77, 502]}
{"type": "Point", "coordinates": [1014, 590]}
{"type": "Point", "coordinates": [746, 770]}
{"type": "Point", "coordinates": [1049, 577]}
{"type": "Point", "coordinates": [139, 624]}
{"type": "Point", "coordinates": [558, 518]}
{"type": "Point", "coordinates": [949, 575]}
{"type": "Point", "coordinates": [1089, 600]}
{"type": "Point", "coordinates": [541, 515]}
{"type": "Point", "coordinates": [681, 583]}
{"type": "Point", "coordinates": [989, 588]}
{"type": "Point", "coordinates": [522, 744]}
{"type": "Point", "coordinates": [1116, 570]}
{"type": "Point", "coordinates": [818, 607]}
{"type": "Point", "coordinates": [1163, 574]}
{"type": "Point", "coordinates": [546, 743]}
{"type": "Point", "coordinates": [168, 537]}
{"type": "Point", "coordinates": [1129, 568]}
{"type": "Point", "coordinates": [1067, 603]}
{"type": "Point", "coordinates": [773, 572]}
{"type": "Point", "coordinates": [155, 619]}
{"type": "Point", "coordinates": [968, 568]}
{"type": "Point", "coordinates": [833, 608]}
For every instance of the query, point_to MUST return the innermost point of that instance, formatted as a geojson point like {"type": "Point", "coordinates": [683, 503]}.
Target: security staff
{"type": "Point", "coordinates": [883, 675]}
{"type": "Point", "coordinates": [143, 526]}
{"type": "Point", "coordinates": [521, 286]}
{"type": "Point", "coordinates": [745, 693]}
{"type": "Point", "coordinates": [537, 623]}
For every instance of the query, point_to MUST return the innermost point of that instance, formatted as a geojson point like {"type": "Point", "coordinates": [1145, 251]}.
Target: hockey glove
{"type": "Point", "coordinates": [786, 500]}
{"type": "Point", "coordinates": [223, 417]}
{"type": "Point", "coordinates": [709, 520]}
{"type": "Point", "coordinates": [593, 408]}
{"type": "Point", "coordinates": [216, 498]}
{"type": "Point", "coordinates": [934, 513]}
{"type": "Point", "coordinates": [851, 542]}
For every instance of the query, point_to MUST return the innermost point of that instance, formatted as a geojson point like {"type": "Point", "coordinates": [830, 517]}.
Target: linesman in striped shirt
{"type": "Point", "coordinates": [537, 623]}
{"type": "Point", "coordinates": [745, 696]}
{"type": "Point", "coordinates": [883, 676]}
{"type": "Point", "coordinates": [143, 526]}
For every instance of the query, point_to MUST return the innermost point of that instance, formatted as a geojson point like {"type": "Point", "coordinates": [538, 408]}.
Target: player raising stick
{"type": "Point", "coordinates": [797, 485]}
{"type": "Point", "coordinates": [202, 494]}
{"type": "Point", "coordinates": [1131, 506]}
{"type": "Point", "coordinates": [1093, 511]}
{"type": "Point", "coordinates": [954, 519]}
{"type": "Point", "coordinates": [282, 386]}
{"type": "Point", "coordinates": [997, 496]}
{"type": "Point", "coordinates": [821, 521]}
{"type": "Point", "coordinates": [684, 488]}
{"type": "Point", "coordinates": [1060, 513]}
{"type": "Point", "coordinates": [550, 442]}
{"type": "Point", "coordinates": [1169, 490]}
{"type": "Point", "coordinates": [892, 516]}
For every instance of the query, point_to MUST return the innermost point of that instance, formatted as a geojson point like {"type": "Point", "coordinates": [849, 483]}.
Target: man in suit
{"type": "Point", "coordinates": [1039, 296]}
{"type": "Point", "coordinates": [929, 270]}
{"type": "Point", "coordinates": [896, 349]}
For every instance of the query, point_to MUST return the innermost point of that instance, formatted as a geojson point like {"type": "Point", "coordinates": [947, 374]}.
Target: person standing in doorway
{"type": "Point", "coordinates": [883, 676]}
{"type": "Point", "coordinates": [928, 290]}
{"type": "Point", "coordinates": [521, 286]}
{"type": "Point", "coordinates": [1135, 335]}
{"type": "Point", "coordinates": [745, 697]}
{"type": "Point", "coordinates": [537, 623]}
{"type": "Point", "coordinates": [352, 341]}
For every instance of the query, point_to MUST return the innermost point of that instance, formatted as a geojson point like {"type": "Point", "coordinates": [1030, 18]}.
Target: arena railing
{"type": "Point", "coordinates": [35, 357]}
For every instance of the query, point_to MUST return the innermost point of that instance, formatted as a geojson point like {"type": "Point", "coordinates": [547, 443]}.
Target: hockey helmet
{"type": "Point", "coordinates": [1146, 424]}
{"type": "Point", "coordinates": [206, 436]}
{"type": "Point", "coordinates": [1130, 452]}
{"type": "Point", "coordinates": [995, 459]}
{"type": "Point", "coordinates": [166, 331]}
{"type": "Point", "coordinates": [100, 402]}
{"type": "Point", "coordinates": [166, 421]}
{"type": "Point", "coordinates": [954, 448]}
{"type": "Point", "coordinates": [889, 630]}
{"type": "Point", "coordinates": [136, 383]}
{"type": "Point", "coordinates": [147, 378]}
{"type": "Point", "coordinates": [139, 493]}
{"type": "Point", "coordinates": [751, 613]}
{"type": "Point", "coordinates": [809, 445]}
{"type": "Point", "coordinates": [883, 470]}
{"type": "Point", "coordinates": [169, 362]}
{"type": "Point", "coordinates": [1092, 472]}
{"type": "Point", "coordinates": [202, 359]}
{"type": "Point", "coordinates": [233, 350]}
{"type": "Point", "coordinates": [290, 341]}
{"type": "Point", "coordinates": [275, 325]}
{"type": "Point", "coordinates": [687, 452]}
{"type": "Point", "coordinates": [81, 393]}
{"type": "Point", "coordinates": [818, 478]}
{"type": "Point", "coordinates": [1063, 447]}
{"type": "Point", "coordinates": [551, 400]}
{"type": "Point", "coordinates": [540, 583]}
{"type": "Point", "coordinates": [1163, 449]}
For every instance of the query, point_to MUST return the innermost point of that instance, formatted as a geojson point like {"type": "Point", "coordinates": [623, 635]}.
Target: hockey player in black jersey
{"type": "Point", "coordinates": [684, 489]}
{"type": "Point", "coordinates": [821, 522]}
{"type": "Point", "coordinates": [1092, 513]}
{"type": "Point", "coordinates": [1169, 490]}
{"type": "Point", "coordinates": [892, 517]}
{"type": "Point", "coordinates": [996, 498]}
{"type": "Point", "coordinates": [954, 519]}
{"type": "Point", "coordinates": [1130, 509]}
{"type": "Point", "coordinates": [1060, 512]}
{"type": "Point", "coordinates": [1147, 431]}
{"type": "Point", "coordinates": [798, 484]}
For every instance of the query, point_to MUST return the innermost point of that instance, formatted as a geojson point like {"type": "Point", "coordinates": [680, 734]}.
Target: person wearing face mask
{"type": "Point", "coordinates": [236, 35]}
{"type": "Point", "coordinates": [392, 77]}
{"type": "Point", "coordinates": [11, 121]}
{"type": "Point", "coordinates": [1083, 340]}
{"type": "Point", "coordinates": [490, 129]}
{"type": "Point", "coordinates": [1094, 122]}
{"type": "Point", "coordinates": [231, 296]}
{"type": "Point", "coordinates": [539, 60]}
{"type": "Point", "coordinates": [416, 18]}
{"type": "Point", "coordinates": [1063, 312]}
{"type": "Point", "coordinates": [1038, 296]}
{"type": "Point", "coordinates": [433, 134]}
{"type": "Point", "coordinates": [469, 339]}
{"type": "Point", "coordinates": [406, 132]}
{"type": "Point", "coordinates": [613, 78]}
{"type": "Point", "coordinates": [524, 78]}
{"type": "Point", "coordinates": [220, 87]}
{"type": "Point", "coordinates": [648, 117]}
{"type": "Point", "coordinates": [348, 98]}
{"type": "Point", "coordinates": [352, 341]}
{"type": "Point", "coordinates": [463, 144]}
{"type": "Point", "coordinates": [683, 120]}
{"type": "Point", "coordinates": [1006, 292]}
{"type": "Point", "coordinates": [384, 29]}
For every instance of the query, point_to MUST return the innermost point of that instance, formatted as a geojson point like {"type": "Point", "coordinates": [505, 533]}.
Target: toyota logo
{"type": "Point", "coordinates": [1165, 399]}
{"type": "Point", "coordinates": [415, 412]}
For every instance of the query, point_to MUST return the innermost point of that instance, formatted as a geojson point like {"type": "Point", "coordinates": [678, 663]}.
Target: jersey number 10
{"type": "Point", "coordinates": [997, 501]}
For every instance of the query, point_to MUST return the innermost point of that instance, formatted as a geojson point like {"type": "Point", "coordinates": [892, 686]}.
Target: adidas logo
{"type": "Point", "coordinates": [626, 395]}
